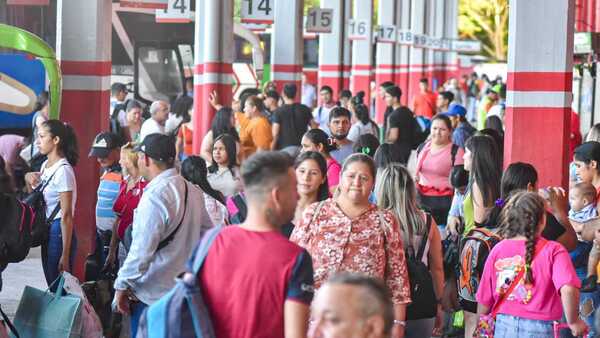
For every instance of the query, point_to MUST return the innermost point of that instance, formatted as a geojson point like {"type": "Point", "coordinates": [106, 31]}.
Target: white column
{"type": "Point", "coordinates": [403, 16]}
{"type": "Point", "coordinates": [417, 57]}
{"type": "Point", "coordinates": [331, 49]}
{"type": "Point", "coordinates": [347, 45]}
{"type": "Point", "coordinates": [362, 51]}
{"type": "Point", "coordinates": [199, 99]}
{"type": "Point", "coordinates": [385, 66]}
{"type": "Point", "coordinates": [287, 44]}
{"type": "Point", "coordinates": [451, 32]}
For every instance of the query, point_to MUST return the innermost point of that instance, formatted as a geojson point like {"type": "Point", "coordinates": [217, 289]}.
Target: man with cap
{"type": "Point", "coordinates": [462, 128]}
{"type": "Point", "coordinates": [106, 150]}
{"type": "Point", "coordinates": [169, 221]}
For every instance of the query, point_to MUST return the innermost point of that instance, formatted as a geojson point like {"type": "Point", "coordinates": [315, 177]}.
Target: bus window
{"type": "Point", "coordinates": [311, 53]}
{"type": "Point", "coordinates": [159, 75]}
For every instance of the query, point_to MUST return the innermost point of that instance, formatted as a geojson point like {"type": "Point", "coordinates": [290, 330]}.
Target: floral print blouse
{"type": "Point", "coordinates": [338, 243]}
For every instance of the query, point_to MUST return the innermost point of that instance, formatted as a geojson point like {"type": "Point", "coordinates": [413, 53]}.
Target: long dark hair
{"type": "Point", "coordinates": [318, 136]}
{"type": "Point", "coordinates": [516, 177]}
{"type": "Point", "coordinates": [221, 124]}
{"type": "Point", "coordinates": [520, 217]}
{"type": "Point", "coordinates": [182, 106]}
{"type": "Point", "coordinates": [68, 141]}
{"type": "Point", "coordinates": [366, 144]}
{"type": "Point", "coordinates": [323, 192]}
{"type": "Point", "coordinates": [362, 114]}
{"type": "Point", "coordinates": [485, 167]}
{"type": "Point", "coordinates": [230, 148]}
{"type": "Point", "coordinates": [194, 170]}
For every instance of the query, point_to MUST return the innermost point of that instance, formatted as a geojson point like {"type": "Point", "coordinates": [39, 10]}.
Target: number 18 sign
{"type": "Point", "coordinates": [257, 11]}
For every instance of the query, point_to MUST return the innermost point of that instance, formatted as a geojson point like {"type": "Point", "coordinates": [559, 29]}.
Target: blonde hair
{"type": "Point", "coordinates": [132, 156]}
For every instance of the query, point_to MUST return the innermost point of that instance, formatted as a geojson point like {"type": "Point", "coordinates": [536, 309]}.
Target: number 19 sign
{"type": "Point", "coordinates": [257, 11]}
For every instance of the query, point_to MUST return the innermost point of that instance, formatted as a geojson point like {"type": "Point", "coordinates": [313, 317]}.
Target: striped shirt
{"type": "Point", "coordinates": [108, 190]}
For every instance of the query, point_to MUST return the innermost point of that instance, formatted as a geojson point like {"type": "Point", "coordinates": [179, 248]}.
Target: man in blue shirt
{"type": "Point", "coordinates": [462, 128]}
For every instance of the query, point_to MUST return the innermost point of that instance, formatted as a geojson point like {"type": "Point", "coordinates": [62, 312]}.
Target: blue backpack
{"type": "Point", "coordinates": [182, 312]}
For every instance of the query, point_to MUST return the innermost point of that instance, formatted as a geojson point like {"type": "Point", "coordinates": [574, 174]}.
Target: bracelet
{"type": "Point", "coordinates": [400, 322]}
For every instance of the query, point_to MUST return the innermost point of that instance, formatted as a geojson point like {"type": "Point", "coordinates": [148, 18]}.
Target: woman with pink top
{"type": "Point", "coordinates": [434, 163]}
{"type": "Point", "coordinates": [528, 281]}
{"type": "Point", "coordinates": [317, 140]}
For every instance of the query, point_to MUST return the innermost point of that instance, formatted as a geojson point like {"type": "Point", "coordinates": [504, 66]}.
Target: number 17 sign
{"type": "Point", "coordinates": [257, 11]}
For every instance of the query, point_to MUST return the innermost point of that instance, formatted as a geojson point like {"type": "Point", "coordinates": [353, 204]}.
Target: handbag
{"type": "Point", "coordinates": [49, 315]}
{"type": "Point", "coordinates": [487, 323]}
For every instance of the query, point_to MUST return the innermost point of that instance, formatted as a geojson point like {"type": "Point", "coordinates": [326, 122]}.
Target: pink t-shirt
{"type": "Point", "coordinates": [552, 269]}
{"type": "Point", "coordinates": [435, 166]}
{"type": "Point", "coordinates": [333, 172]}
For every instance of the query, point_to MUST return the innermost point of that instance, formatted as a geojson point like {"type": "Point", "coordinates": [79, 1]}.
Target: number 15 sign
{"type": "Point", "coordinates": [258, 11]}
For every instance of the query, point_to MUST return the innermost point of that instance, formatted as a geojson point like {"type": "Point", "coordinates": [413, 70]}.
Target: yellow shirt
{"type": "Point", "coordinates": [255, 134]}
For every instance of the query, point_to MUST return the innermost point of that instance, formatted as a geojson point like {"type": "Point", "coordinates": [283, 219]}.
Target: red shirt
{"type": "Point", "coordinates": [126, 203]}
{"type": "Point", "coordinates": [424, 104]}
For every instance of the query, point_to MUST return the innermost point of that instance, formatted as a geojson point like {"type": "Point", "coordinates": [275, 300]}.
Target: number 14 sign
{"type": "Point", "coordinates": [257, 11]}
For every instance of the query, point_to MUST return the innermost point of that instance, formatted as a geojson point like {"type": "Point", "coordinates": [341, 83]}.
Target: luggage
{"type": "Point", "coordinates": [15, 230]}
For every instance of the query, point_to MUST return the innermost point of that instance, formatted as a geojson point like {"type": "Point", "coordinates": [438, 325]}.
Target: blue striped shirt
{"type": "Point", "coordinates": [108, 190]}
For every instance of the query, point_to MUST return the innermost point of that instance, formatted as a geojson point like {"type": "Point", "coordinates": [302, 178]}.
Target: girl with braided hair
{"type": "Point", "coordinates": [545, 282]}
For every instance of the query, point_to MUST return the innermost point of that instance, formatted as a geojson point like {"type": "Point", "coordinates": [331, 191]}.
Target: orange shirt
{"type": "Point", "coordinates": [424, 104]}
{"type": "Point", "coordinates": [255, 134]}
{"type": "Point", "coordinates": [186, 134]}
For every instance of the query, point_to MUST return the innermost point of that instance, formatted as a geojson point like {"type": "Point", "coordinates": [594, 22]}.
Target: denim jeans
{"type": "Point", "coordinates": [137, 309]}
{"type": "Point", "coordinates": [588, 305]}
{"type": "Point", "coordinates": [52, 251]}
{"type": "Point", "coordinates": [512, 327]}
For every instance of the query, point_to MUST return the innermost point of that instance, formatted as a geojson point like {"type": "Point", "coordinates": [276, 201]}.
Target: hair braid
{"type": "Point", "coordinates": [529, 252]}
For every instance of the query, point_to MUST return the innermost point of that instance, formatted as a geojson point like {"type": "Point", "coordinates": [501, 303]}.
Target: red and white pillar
{"type": "Point", "coordinates": [591, 16]}
{"type": "Point", "coordinates": [331, 49]}
{"type": "Point", "coordinates": [199, 98]}
{"type": "Point", "coordinates": [416, 70]}
{"type": "Point", "coordinates": [430, 25]}
{"type": "Point", "coordinates": [402, 51]}
{"type": "Point", "coordinates": [346, 44]}
{"type": "Point", "coordinates": [451, 32]}
{"type": "Point", "coordinates": [362, 51]}
{"type": "Point", "coordinates": [287, 44]}
{"type": "Point", "coordinates": [215, 71]}
{"type": "Point", "coordinates": [83, 46]}
{"type": "Point", "coordinates": [384, 69]}
{"type": "Point", "coordinates": [540, 60]}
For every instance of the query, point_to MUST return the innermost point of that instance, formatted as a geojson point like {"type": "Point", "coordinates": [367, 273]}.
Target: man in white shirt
{"type": "Point", "coordinates": [159, 113]}
{"type": "Point", "coordinates": [309, 95]}
{"type": "Point", "coordinates": [321, 113]}
{"type": "Point", "coordinates": [118, 93]}
{"type": "Point", "coordinates": [168, 222]}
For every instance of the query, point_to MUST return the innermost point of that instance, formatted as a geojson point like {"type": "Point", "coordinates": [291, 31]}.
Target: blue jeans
{"type": "Point", "coordinates": [52, 251]}
{"type": "Point", "coordinates": [513, 327]}
{"type": "Point", "coordinates": [137, 309]}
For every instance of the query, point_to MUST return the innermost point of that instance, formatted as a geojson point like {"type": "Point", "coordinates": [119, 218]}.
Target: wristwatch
{"type": "Point", "coordinates": [400, 322]}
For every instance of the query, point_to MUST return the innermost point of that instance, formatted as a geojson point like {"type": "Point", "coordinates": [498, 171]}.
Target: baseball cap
{"type": "Point", "coordinates": [104, 143]}
{"type": "Point", "coordinates": [588, 151]}
{"type": "Point", "coordinates": [456, 110]}
{"type": "Point", "coordinates": [159, 147]}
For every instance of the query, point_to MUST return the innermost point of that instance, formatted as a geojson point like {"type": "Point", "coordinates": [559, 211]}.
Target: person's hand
{"type": "Point", "coordinates": [557, 197]}
{"type": "Point", "coordinates": [213, 99]}
{"type": "Point", "coordinates": [452, 225]}
{"type": "Point", "coordinates": [597, 237]}
{"type": "Point", "coordinates": [110, 260]}
{"type": "Point", "coordinates": [122, 301]}
{"type": "Point", "coordinates": [398, 331]}
{"type": "Point", "coordinates": [439, 322]}
{"type": "Point", "coordinates": [578, 328]}
{"type": "Point", "coordinates": [63, 264]}
{"type": "Point", "coordinates": [32, 179]}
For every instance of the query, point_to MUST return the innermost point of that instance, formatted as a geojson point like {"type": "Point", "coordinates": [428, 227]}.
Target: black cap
{"type": "Point", "coordinates": [104, 143]}
{"type": "Point", "coordinates": [159, 147]}
{"type": "Point", "coordinates": [588, 151]}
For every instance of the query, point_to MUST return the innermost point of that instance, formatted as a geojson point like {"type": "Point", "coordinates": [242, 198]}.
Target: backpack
{"type": "Point", "coordinates": [15, 232]}
{"type": "Point", "coordinates": [115, 125]}
{"type": "Point", "coordinates": [182, 311]}
{"type": "Point", "coordinates": [40, 225]}
{"type": "Point", "coordinates": [475, 248]}
{"type": "Point", "coordinates": [424, 303]}
{"type": "Point", "coordinates": [237, 208]}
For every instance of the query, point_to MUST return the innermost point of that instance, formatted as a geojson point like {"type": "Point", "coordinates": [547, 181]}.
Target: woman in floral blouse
{"type": "Point", "coordinates": [347, 233]}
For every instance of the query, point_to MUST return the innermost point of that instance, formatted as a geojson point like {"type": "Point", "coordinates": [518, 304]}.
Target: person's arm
{"type": "Point", "coordinates": [295, 319]}
{"type": "Point", "coordinates": [66, 227]}
{"type": "Point", "coordinates": [482, 309]}
{"type": "Point", "coordinates": [275, 128]}
{"type": "Point", "coordinates": [313, 124]}
{"type": "Point", "coordinates": [32, 179]}
{"type": "Point", "coordinates": [178, 145]}
{"type": "Point", "coordinates": [393, 135]}
{"type": "Point", "coordinates": [559, 203]}
{"type": "Point", "coordinates": [398, 329]}
{"type": "Point", "coordinates": [114, 242]}
{"type": "Point", "coordinates": [206, 147]}
{"type": "Point", "coordinates": [480, 211]}
{"type": "Point", "coordinates": [569, 296]}
{"type": "Point", "coordinates": [436, 267]}
{"type": "Point", "coordinates": [213, 99]}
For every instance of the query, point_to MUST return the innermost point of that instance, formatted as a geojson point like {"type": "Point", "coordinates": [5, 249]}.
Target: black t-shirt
{"type": "Point", "coordinates": [386, 116]}
{"type": "Point", "coordinates": [553, 229]}
{"type": "Point", "coordinates": [403, 119]}
{"type": "Point", "coordinates": [293, 120]}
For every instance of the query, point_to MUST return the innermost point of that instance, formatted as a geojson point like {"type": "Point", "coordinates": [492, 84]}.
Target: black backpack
{"type": "Point", "coordinates": [15, 229]}
{"type": "Point", "coordinates": [422, 294]}
{"type": "Point", "coordinates": [39, 227]}
{"type": "Point", "coordinates": [115, 125]}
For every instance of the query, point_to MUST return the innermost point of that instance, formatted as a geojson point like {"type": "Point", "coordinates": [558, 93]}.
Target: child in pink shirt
{"type": "Point", "coordinates": [549, 285]}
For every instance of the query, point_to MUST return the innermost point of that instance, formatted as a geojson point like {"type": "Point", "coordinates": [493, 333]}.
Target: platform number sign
{"type": "Point", "coordinates": [386, 34]}
{"type": "Point", "coordinates": [177, 11]}
{"type": "Point", "coordinates": [358, 29]}
{"type": "Point", "coordinates": [405, 37]}
{"type": "Point", "coordinates": [319, 20]}
{"type": "Point", "coordinates": [258, 11]}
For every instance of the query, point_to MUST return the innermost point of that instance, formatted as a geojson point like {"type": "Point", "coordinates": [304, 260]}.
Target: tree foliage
{"type": "Point", "coordinates": [486, 21]}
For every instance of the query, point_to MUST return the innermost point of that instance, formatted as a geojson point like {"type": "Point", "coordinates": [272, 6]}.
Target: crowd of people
{"type": "Point", "coordinates": [333, 225]}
